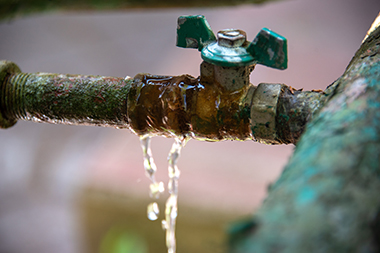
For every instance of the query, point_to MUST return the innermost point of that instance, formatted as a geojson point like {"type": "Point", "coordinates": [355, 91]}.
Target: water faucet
{"type": "Point", "coordinates": [228, 62]}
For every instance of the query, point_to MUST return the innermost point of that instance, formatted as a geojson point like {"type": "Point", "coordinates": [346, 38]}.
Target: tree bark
{"type": "Point", "coordinates": [327, 198]}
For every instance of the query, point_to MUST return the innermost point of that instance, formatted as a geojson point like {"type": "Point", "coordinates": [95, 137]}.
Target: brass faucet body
{"type": "Point", "coordinates": [188, 106]}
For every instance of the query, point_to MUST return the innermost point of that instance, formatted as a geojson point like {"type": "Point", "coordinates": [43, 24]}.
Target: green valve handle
{"type": "Point", "coordinates": [230, 48]}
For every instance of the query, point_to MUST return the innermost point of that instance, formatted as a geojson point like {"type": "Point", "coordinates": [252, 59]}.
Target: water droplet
{"type": "Point", "coordinates": [164, 225]}
{"type": "Point", "coordinates": [156, 189]}
{"type": "Point", "coordinates": [153, 211]}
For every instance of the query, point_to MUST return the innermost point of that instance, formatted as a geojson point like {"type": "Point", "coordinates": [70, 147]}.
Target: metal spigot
{"type": "Point", "coordinates": [230, 58]}
{"type": "Point", "coordinates": [228, 61]}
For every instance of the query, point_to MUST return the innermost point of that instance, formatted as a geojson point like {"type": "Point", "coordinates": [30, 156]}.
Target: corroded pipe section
{"type": "Point", "coordinates": [62, 99]}
{"type": "Point", "coordinates": [204, 108]}
{"type": "Point", "coordinates": [279, 113]}
{"type": "Point", "coordinates": [183, 106]}
{"type": "Point", "coordinates": [295, 109]}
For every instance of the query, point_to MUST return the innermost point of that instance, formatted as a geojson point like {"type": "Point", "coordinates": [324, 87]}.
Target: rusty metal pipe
{"type": "Point", "coordinates": [158, 105]}
{"type": "Point", "coordinates": [63, 99]}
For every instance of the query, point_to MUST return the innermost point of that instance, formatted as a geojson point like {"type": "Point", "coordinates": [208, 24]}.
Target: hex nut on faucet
{"type": "Point", "coordinates": [231, 38]}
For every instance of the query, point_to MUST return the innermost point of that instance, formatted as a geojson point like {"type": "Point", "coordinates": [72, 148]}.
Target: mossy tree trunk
{"type": "Point", "coordinates": [328, 196]}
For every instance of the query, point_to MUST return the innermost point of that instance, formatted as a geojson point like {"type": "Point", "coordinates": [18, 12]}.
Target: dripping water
{"type": "Point", "coordinates": [156, 188]}
{"type": "Point", "coordinates": [153, 211]}
{"type": "Point", "coordinates": [171, 207]}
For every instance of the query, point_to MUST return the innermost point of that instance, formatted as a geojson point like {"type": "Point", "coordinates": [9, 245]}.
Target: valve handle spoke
{"type": "Point", "coordinates": [269, 49]}
{"type": "Point", "coordinates": [194, 32]}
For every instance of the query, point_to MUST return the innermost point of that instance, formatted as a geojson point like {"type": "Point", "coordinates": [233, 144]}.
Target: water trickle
{"type": "Point", "coordinates": [171, 207]}
{"type": "Point", "coordinates": [164, 225]}
{"type": "Point", "coordinates": [155, 188]}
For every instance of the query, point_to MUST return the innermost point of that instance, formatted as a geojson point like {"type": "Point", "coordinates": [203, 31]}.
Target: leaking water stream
{"type": "Point", "coordinates": [156, 188]}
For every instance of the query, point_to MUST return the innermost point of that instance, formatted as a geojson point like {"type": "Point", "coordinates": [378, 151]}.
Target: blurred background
{"type": "Point", "coordinates": [83, 189]}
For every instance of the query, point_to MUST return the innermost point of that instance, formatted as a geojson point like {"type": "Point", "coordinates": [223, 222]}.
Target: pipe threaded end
{"type": "Point", "coordinates": [8, 93]}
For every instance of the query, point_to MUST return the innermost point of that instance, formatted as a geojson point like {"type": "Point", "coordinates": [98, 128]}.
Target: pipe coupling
{"type": "Point", "coordinates": [263, 112]}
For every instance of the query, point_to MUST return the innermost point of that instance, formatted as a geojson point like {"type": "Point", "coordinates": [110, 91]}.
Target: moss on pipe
{"type": "Point", "coordinates": [65, 99]}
